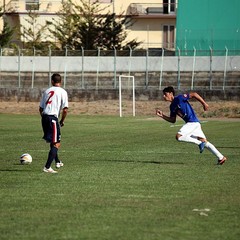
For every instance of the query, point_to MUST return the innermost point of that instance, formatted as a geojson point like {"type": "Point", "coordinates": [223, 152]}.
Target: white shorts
{"type": "Point", "coordinates": [192, 129]}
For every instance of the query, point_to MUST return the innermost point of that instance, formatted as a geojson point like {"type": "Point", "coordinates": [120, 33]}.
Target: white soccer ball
{"type": "Point", "coordinates": [26, 158]}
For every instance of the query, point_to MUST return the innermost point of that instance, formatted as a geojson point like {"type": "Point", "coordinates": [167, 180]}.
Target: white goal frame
{"type": "Point", "coordinates": [120, 94]}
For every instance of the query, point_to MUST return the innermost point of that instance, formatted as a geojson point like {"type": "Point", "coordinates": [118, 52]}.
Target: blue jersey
{"type": "Point", "coordinates": [181, 107]}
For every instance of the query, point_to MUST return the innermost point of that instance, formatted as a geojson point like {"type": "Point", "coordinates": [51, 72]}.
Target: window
{"type": "Point", "coordinates": [172, 6]}
{"type": "Point", "coordinates": [32, 5]}
{"type": "Point", "coordinates": [168, 6]}
{"type": "Point", "coordinates": [168, 36]}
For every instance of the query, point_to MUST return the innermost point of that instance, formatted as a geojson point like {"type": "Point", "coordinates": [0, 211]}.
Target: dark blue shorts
{"type": "Point", "coordinates": [51, 129]}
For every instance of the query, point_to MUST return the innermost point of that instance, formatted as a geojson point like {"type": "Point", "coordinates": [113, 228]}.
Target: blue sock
{"type": "Point", "coordinates": [51, 156]}
{"type": "Point", "coordinates": [57, 159]}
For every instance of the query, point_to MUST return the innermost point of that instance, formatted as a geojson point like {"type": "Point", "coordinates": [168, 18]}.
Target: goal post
{"type": "Point", "coordinates": [120, 93]}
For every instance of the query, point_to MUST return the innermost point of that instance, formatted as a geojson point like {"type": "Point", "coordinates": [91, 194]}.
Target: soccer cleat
{"type": "Point", "coordinates": [59, 164]}
{"type": "Point", "coordinates": [221, 161]}
{"type": "Point", "coordinates": [49, 170]}
{"type": "Point", "coordinates": [201, 146]}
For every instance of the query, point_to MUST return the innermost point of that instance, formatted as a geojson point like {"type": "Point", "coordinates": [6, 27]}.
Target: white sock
{"type": "Point", "coordinates": [189, 139]}
{"type": "Point", "coordinates": [213, 149]}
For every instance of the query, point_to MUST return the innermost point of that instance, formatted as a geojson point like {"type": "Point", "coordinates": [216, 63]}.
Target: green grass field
{"type": "Point", "coordinates": [124, 178]}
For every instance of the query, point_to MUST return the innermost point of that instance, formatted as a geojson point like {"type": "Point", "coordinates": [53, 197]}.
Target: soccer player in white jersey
{"type": "Point", "coordinates": [191, 131]}
{"type": "Point", "coordinates": [54, 103]}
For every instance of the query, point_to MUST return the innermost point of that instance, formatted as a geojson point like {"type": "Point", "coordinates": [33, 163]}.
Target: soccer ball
{"type": "Point", "coordinates": [26, 158]}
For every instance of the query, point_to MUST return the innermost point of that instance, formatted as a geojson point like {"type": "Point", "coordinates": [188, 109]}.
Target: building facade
{"type": "Point", "coordinates": [154, 21]}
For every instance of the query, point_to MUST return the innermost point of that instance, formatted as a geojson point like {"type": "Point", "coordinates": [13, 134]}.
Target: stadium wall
{"type": "Point", "coordinates": [76, 95]}
{"type": "Point", "coordinates": [118, 64]}
{"type": "Point", "coordinates": [24, 78]}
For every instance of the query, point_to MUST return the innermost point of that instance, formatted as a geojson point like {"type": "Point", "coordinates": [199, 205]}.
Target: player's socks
{"type": "Point", "coordinates": [51, 156]}
{"type": "Point", "coordinates": [57, 159]}
{"type": "Point", "coordinates": [213, 149]}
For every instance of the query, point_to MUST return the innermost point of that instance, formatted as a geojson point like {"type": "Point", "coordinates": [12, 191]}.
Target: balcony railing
{"type": "Point", "coordinates": [141, 9]}
{"type": "Point", "coordinates": [23, 6]}
{"type": "Point", "coordinates": [134, 9]}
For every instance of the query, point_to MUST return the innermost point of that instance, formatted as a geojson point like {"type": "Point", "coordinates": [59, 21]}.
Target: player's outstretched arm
{"type": "Point", "coordinates": [200, 99]}
{"type": "Point", "coordinates": [163, 116]}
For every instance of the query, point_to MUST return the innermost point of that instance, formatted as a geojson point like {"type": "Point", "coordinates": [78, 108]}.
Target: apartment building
{"type": "Point", "coordinates": [154, 21]}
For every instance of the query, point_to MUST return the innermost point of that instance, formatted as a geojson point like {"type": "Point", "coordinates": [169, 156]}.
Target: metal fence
{"type": "Point", "coordinates": [99, 69]}
{"type": "Point", "coordinates": [47, 51]}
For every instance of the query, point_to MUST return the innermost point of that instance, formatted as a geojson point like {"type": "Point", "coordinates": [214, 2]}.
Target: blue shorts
{"type": "Point", "coordinates": [51, 129]}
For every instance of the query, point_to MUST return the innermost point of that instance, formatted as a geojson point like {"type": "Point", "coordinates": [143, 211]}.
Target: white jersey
{"type": "Point", "coordinates": [54, 99]}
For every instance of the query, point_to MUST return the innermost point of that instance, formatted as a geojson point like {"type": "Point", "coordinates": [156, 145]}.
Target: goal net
{"type": "Point", "coordinates": [126, 83]}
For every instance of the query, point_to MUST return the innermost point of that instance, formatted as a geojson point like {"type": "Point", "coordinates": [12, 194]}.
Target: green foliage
{"type": "Point", "coordinates": [84, 26]}
{"type": "Point", "coordinates": [65, 29]}
{"type": "Point", "coordinates": [6, 33]}
{"type": "Point", "coordinates": [112, 33]}
{"type": "Point", "coordinates": [33, 34]}
{"type": "Point", "coordinates": [123, 178]}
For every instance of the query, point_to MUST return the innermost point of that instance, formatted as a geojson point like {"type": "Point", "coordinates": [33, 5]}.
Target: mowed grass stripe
{"type": "Point", "coordinates": [123, 178]}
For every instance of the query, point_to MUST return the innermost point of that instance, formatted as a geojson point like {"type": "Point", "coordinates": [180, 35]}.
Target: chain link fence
{"type": "Point", "coordinates": [100, 69]}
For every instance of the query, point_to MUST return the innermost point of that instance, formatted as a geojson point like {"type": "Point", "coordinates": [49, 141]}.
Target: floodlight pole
{"type": "Point", "coordinates": [146, 70]}
{"type": "Point", "coordinates": [210, 78]}
{"type": "Point", "coordinates": [98, 62]}
{"type": "Point", "coordinates": [114, 66]}
{"type": "Point", "coordinates": [50, 66]}
{"type": "Point", "coordinates": [65, 67]}
{"type": "Point", "coordinates": [33, 65]}
{"type": "Point", "coordinates": [82, 68]}
{"type": "Point", "coordinates": [19, 67]}
{"type": "Point", "coordinates": [161, 71]}
{"type": "Point", "coordinates": [225, 69]}
{"type": "Point", "coordinates": [193, 70]}
{"type": "Point", "coordinates": [179, 60]}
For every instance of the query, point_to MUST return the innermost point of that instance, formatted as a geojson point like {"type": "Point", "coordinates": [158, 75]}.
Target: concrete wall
{"type": "Point", "coordinates": [75, 95]}
{"type": "Point", "coordinates": [119, 64]}
{"type": "Point", "coordinates": [17, 73]}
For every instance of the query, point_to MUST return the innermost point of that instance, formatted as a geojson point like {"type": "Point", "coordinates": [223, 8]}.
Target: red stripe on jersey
{"type": "Point", "coordinates": [54, 133]}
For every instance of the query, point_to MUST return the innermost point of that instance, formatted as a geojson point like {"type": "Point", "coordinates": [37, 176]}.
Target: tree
{"type": "Point", "coordinates": [6, 33]}
{"type": "Point", "coordinates": [64, 29]}
{"type": "Point", "coordinates": [83, 25]}
{"type": "Point", "coordinates": [89, 27]}
{"type": "Point", "coordinates": [113, 33]}
{"type": "Point", "coordinates": [33, 34]}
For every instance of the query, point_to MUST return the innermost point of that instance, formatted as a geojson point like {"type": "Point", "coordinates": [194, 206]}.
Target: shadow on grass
{"type": "Point", "coordinates": [20, 169]}
{"type": "Point", "coordinates": [14, 170]}
{"type": "Point", "coordinates": [232, 147]}
{"type": "Point", "coordinates": [138, 161]}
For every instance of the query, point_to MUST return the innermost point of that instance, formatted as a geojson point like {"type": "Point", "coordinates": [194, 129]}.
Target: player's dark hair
{"type": "Point", "coordinates": [169, 90]}
{"type": "Point", "coordinates": [56, 78]}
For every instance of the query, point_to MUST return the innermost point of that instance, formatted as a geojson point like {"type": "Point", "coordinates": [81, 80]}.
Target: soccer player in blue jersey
{"type": "Point", "coordinates": [54, 101]}
{"type": "Point", "coordinates": [191, 131]}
